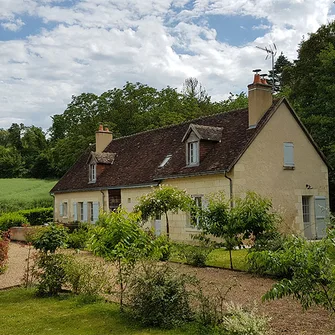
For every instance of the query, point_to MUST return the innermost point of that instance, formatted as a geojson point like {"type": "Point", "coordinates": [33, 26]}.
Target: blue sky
{"type": "Point", "coordinates": [53, 49]}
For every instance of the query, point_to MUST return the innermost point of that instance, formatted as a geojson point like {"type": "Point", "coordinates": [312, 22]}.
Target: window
{"type": "Point", "coordinates": [193, 153]}
{"type": "Point", "coordinates": [165, 160]}
{"type": "Point", "coordinates": [91, 212]}
{"type": "Point", "coordinates": [64, 208]}
{"type": "Point", "coordinates": [288, 155]}
{"type": "Point", "coordinates": [81, 211]}
{"type": "Point", "coordinates": [306, 209]}
{"type": "Point", "coordinates": [92, 173]}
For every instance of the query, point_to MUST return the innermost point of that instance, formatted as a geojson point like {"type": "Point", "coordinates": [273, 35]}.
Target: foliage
{"type": "Point", "coordinates": [162, 200]}
{"type": "Point", "coordinates": [87, 277]}
{"type": "Point", "coordinates": [17, 194]}
{"type": "Point", "coordinates": [118, 238]}
{"type": "Point", "coordinates": [159, 297]}
{"type": "Point", "coordinates": [4, 246]}
{"type": "Point", "coordinates": [219, 257]}
{"type": "Point", "coordinates": [79, 237]}
{"type": "Point", "coordinates": [250, 216]}
{"type": "Point", "coordinates": [38, 216]}
{"type": "Point", "coordinates": [9, 220]}
{"type": "Point", "coordinates": [311, 272]}
{"type": "Point", "coordinates": [50, 238]}
{"type": "Point", "coordinates": [51, 275]}
{"type": "Point", "coordinates": [11, 164]}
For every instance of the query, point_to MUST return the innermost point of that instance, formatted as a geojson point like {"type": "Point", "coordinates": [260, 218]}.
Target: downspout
{"type": "Point", "coordinates": [103, 200]}
{"type": "Point", "coordinates": [54, 203]}
{"type": "Point", "coordinates": [230, 189]}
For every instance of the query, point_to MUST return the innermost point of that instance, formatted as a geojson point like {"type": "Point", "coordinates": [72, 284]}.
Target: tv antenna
{"type": "Point", "coordinates": [271, 52]}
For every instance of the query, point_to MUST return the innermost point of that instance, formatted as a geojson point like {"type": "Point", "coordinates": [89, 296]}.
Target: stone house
{"type": "Point", "coordinates": [263, 148]}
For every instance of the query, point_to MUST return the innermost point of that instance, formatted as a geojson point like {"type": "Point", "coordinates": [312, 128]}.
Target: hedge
{"type": "Point", "coordinates": [9, 220]}
{"type": "Point", "coordinates": [38, 216]}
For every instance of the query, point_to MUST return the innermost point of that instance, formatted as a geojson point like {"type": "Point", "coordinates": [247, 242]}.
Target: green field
{"type": "Point", "coordinates": [16, 194]}
{"type": "Point", "coordinates": [23, 313]}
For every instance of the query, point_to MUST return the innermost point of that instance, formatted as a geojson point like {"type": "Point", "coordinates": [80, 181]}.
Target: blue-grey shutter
{"type": "Point", "coordinates": [95, 211]}
{"type": "Point", "coordinates": [320, 216]}
{"type": "Point", "coordinates": [61, 212]}
{"type": "Point", "coordinates": [75, 213]}
{"type": "Point", "coordinates": [288, 154]}
{"type": "Point", "coordinates": [85, 211]}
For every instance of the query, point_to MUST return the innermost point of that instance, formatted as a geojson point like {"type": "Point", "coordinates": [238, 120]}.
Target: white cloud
{"type": "Point", "coordinates": [96, 45]}
{"type": "Point", "coordinates": [14, 25]}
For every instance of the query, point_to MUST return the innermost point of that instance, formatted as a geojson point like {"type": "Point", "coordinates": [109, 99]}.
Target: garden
{"type": "Point", "coordinates": [116, 277]}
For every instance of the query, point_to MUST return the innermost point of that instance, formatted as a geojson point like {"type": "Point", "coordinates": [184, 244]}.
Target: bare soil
{"type": "Point", "coordinates": [287, 316]}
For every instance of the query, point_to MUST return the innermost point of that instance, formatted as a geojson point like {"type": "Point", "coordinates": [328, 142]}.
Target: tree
{"type": "Point", "coordinates": [118, 238]}
{"type": "Point", "coordinates": [218, 220]}
{"type": "Point", "coordinates": [250, 216]}
{"type": "Point", "coordinates": [162, 200]}
{"type": "Point", "coordinates": [11, 164]}
{"type": "Point", "coordinates": [313, 273]}
{"type": "Point", "coordinates": [281, 72]}
{"type": "Point", "coordinates": [311, 90]}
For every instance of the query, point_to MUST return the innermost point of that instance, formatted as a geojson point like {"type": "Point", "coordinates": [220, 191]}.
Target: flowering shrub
{"type": "Point", "coordinates": [4, 246]}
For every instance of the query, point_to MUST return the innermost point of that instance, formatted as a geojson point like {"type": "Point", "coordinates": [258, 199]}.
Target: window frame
{"type": "Point", "coordinates": [92, 173]}
{"type": "Point", "coordinates": [193, 148]}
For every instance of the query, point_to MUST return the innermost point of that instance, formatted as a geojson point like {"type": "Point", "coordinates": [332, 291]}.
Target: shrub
{"type": "Point", "coordinates": [158, 297]}
{"type": "Point", "coordinates": [79, 237]}
{"type": "Point", "coordinates": [4, 246]}
{"type": "Point", "coordinates": [9, 220]}
{"type": "Point", "coordinates": [239, 321]}
{"type": "Point", "coordinates": [38, 216]}
{"type": "Point", "coordinates": [48, 239]}
{"type": "Point", "coordinates": [52, 274]}
{"type": "Point", "coordinates": [87, 278]}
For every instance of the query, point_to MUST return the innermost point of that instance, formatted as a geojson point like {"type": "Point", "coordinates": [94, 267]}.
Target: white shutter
{"type": "Point", "coordinates": [61, 212]}
{"type": "Point", "coordinates": [85, 211]}
{"type": "Point", "coordinates": [320, 216]}
{"type": "Point", "coordinates": [288, 154]}
{"type": "Point", "coordinates": [75, 213]}
{"type": "Point", "coordinates": [95, 211]}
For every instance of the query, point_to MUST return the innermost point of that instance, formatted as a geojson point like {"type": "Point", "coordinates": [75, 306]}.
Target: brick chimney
{"type": "Point", "coordinates": [259, 99]}
{"type": "Point", "coordinates": [102, 138]}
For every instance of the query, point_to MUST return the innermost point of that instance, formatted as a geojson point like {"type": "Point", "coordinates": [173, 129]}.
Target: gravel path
{"type": "Point", "coordinates": [16, 263]}
{"type": "Point", "coordinates": [287, 317]}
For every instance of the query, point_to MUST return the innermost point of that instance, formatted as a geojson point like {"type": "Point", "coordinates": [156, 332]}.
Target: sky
{"type": "Point", "coordinates": [51, 50]}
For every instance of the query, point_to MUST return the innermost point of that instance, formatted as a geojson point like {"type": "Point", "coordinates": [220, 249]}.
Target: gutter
{"type": "Point", "coordinates": [230, 189]}
{"type": "Point", "coordinates": [103, 200]}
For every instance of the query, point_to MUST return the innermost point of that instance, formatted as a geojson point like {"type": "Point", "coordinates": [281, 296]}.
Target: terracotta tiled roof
{"type": "Point", "coordinates": [137, 157]}
{"type": "Point", "coordinates": [205, 132]}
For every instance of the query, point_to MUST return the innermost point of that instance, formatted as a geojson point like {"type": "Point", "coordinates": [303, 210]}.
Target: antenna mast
{"type": "Point", "coordinates": [271, 52]}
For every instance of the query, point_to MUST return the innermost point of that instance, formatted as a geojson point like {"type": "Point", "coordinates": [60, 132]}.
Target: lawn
{"type": "Point", "coordinates": [19, 193]}
{"type": "Point", "coordinates": [21, 313]}
{"type": "Point", "coordinates": [220, 258]}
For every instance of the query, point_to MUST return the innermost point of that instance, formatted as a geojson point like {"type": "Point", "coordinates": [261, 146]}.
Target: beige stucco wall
{"type": "Point", "coordinates": [260, 169]}
{"type": "Point", "coordinates": [70, 198]}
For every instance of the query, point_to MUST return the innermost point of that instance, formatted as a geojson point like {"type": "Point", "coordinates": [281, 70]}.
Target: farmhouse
{"type": "Point", "coordinates": [264, 148]}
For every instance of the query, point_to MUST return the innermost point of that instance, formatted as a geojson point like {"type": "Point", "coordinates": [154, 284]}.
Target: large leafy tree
{"type": "Point", "coordinates": [311, 89]}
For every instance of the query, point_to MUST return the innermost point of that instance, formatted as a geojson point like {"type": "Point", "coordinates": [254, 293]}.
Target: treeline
{"type": "Point", "coordinates": [27, 151]}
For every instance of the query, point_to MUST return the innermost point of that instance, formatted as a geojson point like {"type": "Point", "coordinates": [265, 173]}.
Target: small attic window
{"type": "Point", "coordinates": [192, 153]}
{"type": "Point", "coordinates": [166, 159]}
{"type": "Point", "coordinates": [92, 173]}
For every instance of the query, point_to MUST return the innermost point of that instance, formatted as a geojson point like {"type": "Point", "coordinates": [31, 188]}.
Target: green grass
{"type": "Point", "coordinates": [16, 194]}
{"type": "Point", "coordinates": [21, 313]}
{"type": "Point", "coordinates": [220, 258]}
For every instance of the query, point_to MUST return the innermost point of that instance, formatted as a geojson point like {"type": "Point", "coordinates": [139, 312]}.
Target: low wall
{"type": "Point", "coordinates": [20, 233]}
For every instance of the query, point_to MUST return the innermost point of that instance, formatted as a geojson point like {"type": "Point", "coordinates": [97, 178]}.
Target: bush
{"type": "Point", "coordinates": [158, 297]}
{"type": "Point", "coordinates": [79, 237]}
{"type": "Point", "coordinates": [49, 238]}
{"type": "Point", "coordinates": [38, 216]}
{"type": "Point", "coordinates": [87, 278]}
{"type": "Point", "coordinates": [9, 220]}
{"type": "Point", "coordinates": [239, 321]}
{"type": "Point", "coordinates": [192, 254]}
{"type": "Point", "coordinates": [52, 274]}
{"type": "Point", "coordinates": [4, 246]}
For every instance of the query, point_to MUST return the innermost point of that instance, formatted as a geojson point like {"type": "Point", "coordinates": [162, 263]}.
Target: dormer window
{"type": "Point", "coordinates": [193, 153]}
{"type": "Point", "coordinates": [92, 173]}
